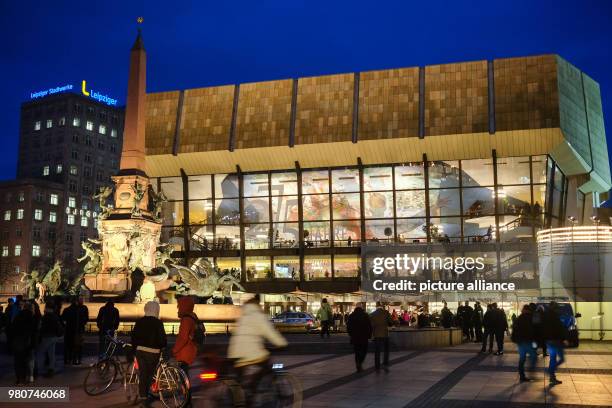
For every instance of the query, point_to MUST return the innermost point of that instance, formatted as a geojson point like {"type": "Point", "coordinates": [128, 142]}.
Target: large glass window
{"type": "Point", "coordinates": [478, 172]}
{"type": "Point", "coordinates": [346, 206]}
{"type": "Point", "coordinates": [286, 235]}
{"type": "Point", "coordinates": [514, 200]}
{"type": "Point", "coordinates": [513, 170]}
{"type": "Point", "coordinates": [379, 230]}
{"type": "Point", "coordinates": [410, 203]}
{"type": "Point", "coordinates": [285, 208]}
{"type": "Point", "coordinates": [377, 178]}
{"type": "Point", "coordinates": [258, 267]}
{"type": "Point", "coordinates": [200, 187]}
{"type": "Point", "coordinates": [317, 267]}
{"type": "Point", "coordinates": [172, 213]}
{"type": "Point", "coordinates": [411, 230]}
{"type": "Point", "coordinates": [256, 209]}
{"type": "Point", "coordinates": [227, 211]}
{"type": "Point", "coordinates": [347, 233]}
{"type": "Point", "coordinates": [200, 212]}
{"type": "Point", "coordinates": [478, 202]}
{"type": "Point", "coordinates": [443, 174]}
{"type": "Point", "coordinates": [445, 229]}
{"type": "Point", "coordinates": [257, 236]}
{"type": "Point", "coordinates": [315, 181]}
{"type": "Point", "coordinates": [172, 187]}
{"type": "Point", "coordinates": [287, 267]}
{"type": "Point", "coordinates": [316, 207]}
{"type": "Point", "coordinates": [284, 183]}
{"type": "Point", "coordinates": [227, 237]}
{"type": "Point", "coordinates": [316, 234]}
{"type": "Point", "coordinates": [444, 202]}
{"type": "Point", "coordinates": [409, 176]}
{"type": "Point", "coordinates": [379, 204]}
{"type": "Point", "coordinates": [538, 164]}
{"type": "Point", "coordinates": [226, 185]}
{"type": "Point", "coordinates": [256, 185]}
{"type": "Point", "coordinates": [345, 180]}
{"type": "Point", "coordinates": [347, 266]}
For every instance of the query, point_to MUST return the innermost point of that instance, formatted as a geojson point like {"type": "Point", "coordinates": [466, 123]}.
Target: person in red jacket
{"type": "Point", "coordinates": [185, 349]}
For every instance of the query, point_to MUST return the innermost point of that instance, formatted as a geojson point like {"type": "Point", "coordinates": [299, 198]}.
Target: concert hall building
{"type": "Point", "coordinates": [286, 180]}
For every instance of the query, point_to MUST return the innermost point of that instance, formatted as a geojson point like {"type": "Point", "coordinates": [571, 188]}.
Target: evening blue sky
{"type": "Point", "coordinates": [202, 43]}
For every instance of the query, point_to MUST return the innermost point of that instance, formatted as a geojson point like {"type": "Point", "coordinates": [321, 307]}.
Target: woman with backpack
{"type": "Point", "coordinates": [189, 335]}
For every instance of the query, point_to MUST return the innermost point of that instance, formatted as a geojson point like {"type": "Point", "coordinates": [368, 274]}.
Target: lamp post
{"type": "Point", "coordinates": [573, 222]}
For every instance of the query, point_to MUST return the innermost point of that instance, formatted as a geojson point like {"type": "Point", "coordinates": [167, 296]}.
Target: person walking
{"type": "Point", "coordinates": [381, 320]}
{"type": "Point", "coordinates": [523, 334]}
{"type": "Point", "coordinates": [325, 317]}
{"type": "Point", "coordinates": [538, 323]}
{"type": "Point", "coordinates": [555, 334]}
{"type": "Point", "coordinates": [446, 317]}
{"type": "Point", "coordinates": [466, 320]}
{"type": "Point", "coordinates": [148, 340]}
{"type": "Point", "coordinates": [359, 329]}
{"type": "Point", "coordinates": [23, 341]}
{"type": "Point", "coordinates": [108, 322]}
{"type": "Point", "coordinates": [488, 323]}
{"type": "Point", "coordinates": [477, 317]}
{"type": "Point", "coordinates": [74, 318]}
{"type": "Point", "coordinates": [500, 328]}
{"type": "Point", "coordinates": [51, 329]}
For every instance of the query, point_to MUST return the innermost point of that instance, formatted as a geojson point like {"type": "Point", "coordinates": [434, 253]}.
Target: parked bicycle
{"type": "Point", "coordinates": [103, 373]}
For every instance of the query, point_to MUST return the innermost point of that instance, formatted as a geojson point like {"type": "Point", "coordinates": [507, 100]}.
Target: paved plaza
{"type": "Point", "coordinates": [450, 377]}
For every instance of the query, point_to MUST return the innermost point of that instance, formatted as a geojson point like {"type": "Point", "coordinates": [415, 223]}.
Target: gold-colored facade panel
{"type": "Point", "coordinates": [264, 114]}
{"type": "Point", "coordinates": [526, 93]}
{"type": "Point", "coordinates": [206, 119]}
{"type": "Point", "coordinates": [161, 122]}
{"type": "Point", "coordinates": [456, 98]}
{"type": "Point", "coordinates": [388, 104]}
{"type": "Point", "coordinates": [324, 109]}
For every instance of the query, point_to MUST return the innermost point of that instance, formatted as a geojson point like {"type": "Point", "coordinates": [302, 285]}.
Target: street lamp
{"type": "Point", "coordinates": [573, 221]}
{"type": "Point", "coordinates": [596, 221]}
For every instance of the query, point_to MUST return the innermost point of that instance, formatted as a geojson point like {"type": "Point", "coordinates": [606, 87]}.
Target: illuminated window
{"type": "Point", "coordinates": [17, 250]}
{"type": "Point", "coordinates": [49, 123]}
{"type": "Point", "coordinates": [76, 122]}
{"type": "Point", "coordinates": [21, 197]}
{"type": "Point", "coordinates": [53, 199]}
{"type": "Point", "coordinates": [72, 202]}
{"type": "Point", "coordinates": [102, 129]}
{"type": "Point", "coordinates": [45, 170]}
{"type": "Point", "coordinates": [70, 219]}
{"type": "Point", "coordinates": [89, 125]}
{"type": "Point", "coordinates": [38, 214]}
{"type": "Point", "coordinates": [74, 170]}
{"type": "Point", "coordinates": [52, 216]}
{"type": "Point", "coordinates": [62, 121]}
{"type": "Point", "coordinates": [58, 169]}
{"type": "Point", "coordinates": [35, 250]}
{"type": "Point", "coordinates": [37, 125]}
{"type": "Point", "coordinates": [84, 222]}
{"type": "Point", "coordinates": [5, 250]}
{"type": "Point", "coordinates": [7, 215]}
{"type": "Point", "coordinates": [113, 132]}
{"type": "Point", "coordinates": [20, 214]}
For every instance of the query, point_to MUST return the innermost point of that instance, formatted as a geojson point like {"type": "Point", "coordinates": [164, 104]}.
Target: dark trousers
{"type": "Point", "coordinates": [21, 361]}
{"type": "Point", "coordinates": [361, 350]}
{"type": "Point", "coordinates": [478, 333]}
{"type": "Point", "coordinates": [381, 343]}
{"type": "Point", "coordinates": [147, 363]}
{"type": "Point", "coordinates": [499, 338]}
{"type": "Point", "coordinates": [488, 335]}
{"type": "Point", "coordinates": [325, 328]}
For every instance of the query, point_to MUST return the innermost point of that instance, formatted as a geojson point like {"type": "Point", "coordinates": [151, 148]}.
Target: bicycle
{"type": "Point", "coordinates": [170, 384]}
{"type": "Point", "coordinates": [275, 388]}
{"type": "Point", "coordinates": [103, 373]}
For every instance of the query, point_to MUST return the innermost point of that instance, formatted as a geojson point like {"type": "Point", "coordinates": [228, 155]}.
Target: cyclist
{"type": "Point", "coordinates": [246, 345]}
{"type": "Point", "coordinates": [148, 340]}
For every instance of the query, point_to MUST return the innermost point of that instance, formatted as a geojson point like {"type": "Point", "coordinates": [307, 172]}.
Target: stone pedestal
{"type": "Point", "coordinates": [105, 282]}
{"type": "Point", "coordinates": [129, 243]}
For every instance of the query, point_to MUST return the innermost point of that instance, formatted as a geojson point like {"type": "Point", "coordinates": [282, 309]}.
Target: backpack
{"type": "Point", "coordinates": [199, 334]}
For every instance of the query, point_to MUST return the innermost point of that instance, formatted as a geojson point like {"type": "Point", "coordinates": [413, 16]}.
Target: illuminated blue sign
{"type": "Point", "coordinates": [89, 93]}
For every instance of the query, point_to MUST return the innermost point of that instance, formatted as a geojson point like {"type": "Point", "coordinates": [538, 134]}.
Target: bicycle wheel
{"type": "Point", "coordinates": [130, 384]}
{"type": "Point", "coordinates": [224, 394]}
{"type": "Point", "coordinates": [173, 387]}
{"type": "Point", "coordinates": [278, 390]}
{"type": "Point", "coordinates": [100, 377]}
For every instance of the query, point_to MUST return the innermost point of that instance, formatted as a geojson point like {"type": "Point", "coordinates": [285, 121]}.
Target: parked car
{"type": "Point", "coordinates": [568, 318]}
{"type": "Point", "coordinates": [295, 321]}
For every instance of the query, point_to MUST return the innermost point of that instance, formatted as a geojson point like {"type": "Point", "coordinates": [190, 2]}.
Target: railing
{"type": "Point", "coordinates": [580, 239]}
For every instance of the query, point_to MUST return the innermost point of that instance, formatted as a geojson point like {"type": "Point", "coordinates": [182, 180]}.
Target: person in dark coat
{"type": "Point", "coordinates": [107, 322]}
{"type": "Point", "coordinates": [381, 321]}
{"type": "Point", "coordinates": [488, 323]}
{"type": "Point", "coordinates": [500, 328]}
{"type": "Point", "coordinates": [74, 318]}
{"type": "Point", "coordinates": [446, 317]}
{"type": "Point", "coordinates": [477, 322]}
{"type": "Point", "coordinates": [555, 334]}
{"type": "Point", "coordinates": [538, 325]}
{"type": "Point", "coordinates": [465, 313]}
{"type": "Point", "coordinates": [23, 342]}
{"type": "Point", "coordinates": [51, 329]}
{"type": "Point", "coordinates": [148, 340]}
{"type": "Point", "coordinates": [523, 334]}
{"type": "Point", "coordinates": [359, 329]}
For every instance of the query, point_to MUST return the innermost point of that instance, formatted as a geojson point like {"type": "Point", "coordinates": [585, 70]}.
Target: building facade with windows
{"type": "Point", "coordinates": [286, 180]}
{"type": "Point", "coordinates": [69, 146]}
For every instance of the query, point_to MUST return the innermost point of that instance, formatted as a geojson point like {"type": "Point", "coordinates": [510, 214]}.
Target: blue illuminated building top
{"type": "Point", "coordinates": [69, 87]}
